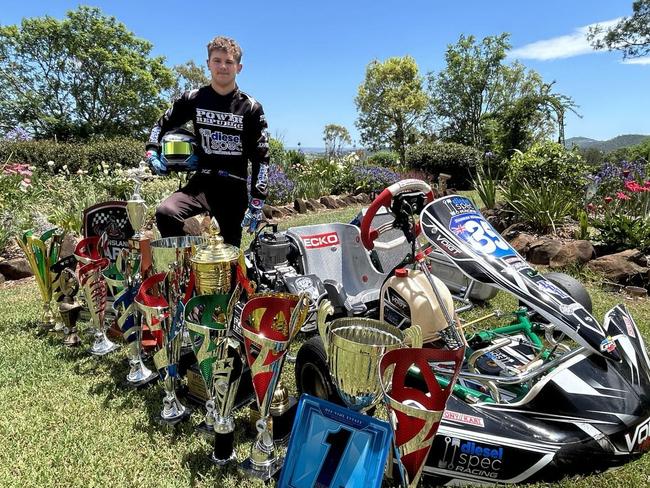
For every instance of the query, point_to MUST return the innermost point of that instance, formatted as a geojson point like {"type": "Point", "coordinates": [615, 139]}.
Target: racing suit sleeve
{"type": "Point", "coordinates": [175, 116]}
{"type": "Point", "coordinates": [258, 152]}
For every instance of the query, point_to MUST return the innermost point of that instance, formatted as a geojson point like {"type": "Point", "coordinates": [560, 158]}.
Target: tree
{"type": "Point", "coordinates": [188, 77]}
{"type": "Point", "coordinates": [335, 136]}
{"type": "Point", "coordinates": [78, 77]}
{"type": "Point", "coordinates": [631, 35]}
{"type": "Point", "coordinates": [480, 101]}
{"type": "Point", "coordinates": [392, 104]}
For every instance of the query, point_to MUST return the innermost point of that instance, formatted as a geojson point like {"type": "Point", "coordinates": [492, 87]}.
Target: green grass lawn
{"type": "Point", "coordinates": [67, 419]}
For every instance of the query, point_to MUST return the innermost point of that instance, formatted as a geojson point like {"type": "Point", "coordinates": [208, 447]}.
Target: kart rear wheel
{"type": "Point", "coordinates": [312, 371]}
{"type": "Point", "coordinates": [571, 286]}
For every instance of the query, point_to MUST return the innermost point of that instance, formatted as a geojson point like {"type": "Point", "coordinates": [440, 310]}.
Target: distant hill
{"type": "Point", "coordinates": [618, 142]}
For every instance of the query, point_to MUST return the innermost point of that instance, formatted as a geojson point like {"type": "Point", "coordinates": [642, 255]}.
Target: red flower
{"type": "Point", "coordinates": [633, 186]}
{"type": "Point", "coordinates": [626, 172]}
{"type": "Point", "coordinates": [622, 196]}
{"type": "Point", "coordinates": [591, 207]}
{"type": "Point", "coordinates": [608, 199]}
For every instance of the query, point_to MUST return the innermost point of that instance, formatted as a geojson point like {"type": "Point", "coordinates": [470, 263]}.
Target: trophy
{"type": "Point", "coordinates": [41, 255]}
{"type": "Point", "coordinates": [69, 308]}
{"type": "Point", "coordinates": [124, 280]}
{"type": "Point", "coordinates": [156, 311]}
{"type": "Point", "coordinates": [95, 291]}
{"type": "Point", "coordinates": [354, 346]}
{"type": "Point", "coordinates": [213, 264]}
{"type": "Point", "coordinates": [64, 288]}
{"type": "Point", "coordinates": [415, 411]}
{"type": "Point", "coordinates": [269, 323]}
{"type": "Point", "coordinates": [207, 318]}
{"type": "Point", "coordinates": [175, 284]}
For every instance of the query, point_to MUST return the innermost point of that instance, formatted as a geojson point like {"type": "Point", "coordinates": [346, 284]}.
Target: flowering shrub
{"type": "Point", "coordinates": [373, 178]}
{"type": "Point", "coordinates": [619, 205]}
{"type": "Point", "coordinates": [281, 187]}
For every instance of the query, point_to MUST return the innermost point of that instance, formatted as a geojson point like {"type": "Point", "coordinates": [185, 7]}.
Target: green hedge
{"type": "Point", "coordinates": [86, 156]}
{"type": "Point", "coordinates": [456, 160]}
{"type": "Point", "coordinates": [547, 162]}
{"type": "Point", "coordinates": [387, 159]}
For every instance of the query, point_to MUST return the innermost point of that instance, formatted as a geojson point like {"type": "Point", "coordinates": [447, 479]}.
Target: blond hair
{"type": "Point", "coordinates": [226, 44]}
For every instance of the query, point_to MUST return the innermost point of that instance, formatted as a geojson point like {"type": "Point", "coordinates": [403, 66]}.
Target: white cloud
{"type": "Point", "coordinates": [566, 46]}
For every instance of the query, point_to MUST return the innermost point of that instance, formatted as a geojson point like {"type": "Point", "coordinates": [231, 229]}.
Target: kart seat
{"type": "Point", "coordinates": [335, 254]}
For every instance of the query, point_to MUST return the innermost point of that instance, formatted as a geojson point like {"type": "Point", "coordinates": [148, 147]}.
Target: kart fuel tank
{"type": "Point", "coordinates": [407, 298]}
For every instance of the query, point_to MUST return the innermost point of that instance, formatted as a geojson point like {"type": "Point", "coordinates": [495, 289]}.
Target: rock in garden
{"type": "Point", "coordinates": [521, 242]}
{"type": "Point", "coordinates": [559, 253]}
{"type": "Point", "coordinates": [15, 269]}
{"type": "Point", "coordinates": [542, 251]}
{"type": "Point", "coordinates": [271, 212]}
{"type": "Point", "coordinates": [349, 199]}
{"type": "Point", "coordinates": [621, 267]}
{"type": "Point", "coordinates": [313, 205]}
{"type": "Point", "coordinates": [329, 202]}
{"type": "Point", "coordinates": [2, 278]}
{"type": "Point", "coordinates": [300, 205]}
{"type": "Point", "coordinates": [572, 252]}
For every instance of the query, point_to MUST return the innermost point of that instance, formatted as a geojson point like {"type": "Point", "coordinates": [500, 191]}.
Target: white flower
{"type": "Point", "coordinates": [50, 163]}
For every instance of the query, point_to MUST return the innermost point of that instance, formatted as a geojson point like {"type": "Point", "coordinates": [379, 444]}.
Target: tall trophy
{"type": "Point", "coordinates": [269, 323]}
{"type": "Point", "coordinates": [415, 411]}
{"type": "Point", "coordinates": [208, 319]}
{"type": "Point", "coordinates": [354, 346]}
{"type": "Point", "coordinates": [95, 290]}
{"type": "Point", "coordinates": [171, 259]}
{"type": "Point", "coordinates": [124, 280]}
{"type": "Point", "coordinates": [41, 253]}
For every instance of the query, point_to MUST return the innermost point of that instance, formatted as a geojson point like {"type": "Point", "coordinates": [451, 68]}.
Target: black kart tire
{"type": "Point", "coordinates": [312, 371]}
{"type": "Point", "coordinates": [573, 287]}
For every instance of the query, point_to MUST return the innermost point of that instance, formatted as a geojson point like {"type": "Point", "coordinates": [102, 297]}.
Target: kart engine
{"type": "Point", "coordinates": [277, 266]}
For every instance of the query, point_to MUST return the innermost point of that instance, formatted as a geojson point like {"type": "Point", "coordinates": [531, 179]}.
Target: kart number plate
{"type": "Point", "coordinates": [475, 231]}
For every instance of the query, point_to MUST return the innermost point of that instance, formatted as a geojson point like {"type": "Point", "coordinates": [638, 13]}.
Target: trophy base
{"type": "Point", "coordinates": [104, 349]}
{"type": "Point", "coordinates": [223, 452]}
{"type": "Point", "coordinates": [282, 421]}
{"type": "Point", "coordinates": [172, 422]}
{"type": "Point", "coordinates": [72, 341]}
{"type": "Point", "coordinates": [264, 473]}
{"type": "Point", "coordinates": [141, 383]}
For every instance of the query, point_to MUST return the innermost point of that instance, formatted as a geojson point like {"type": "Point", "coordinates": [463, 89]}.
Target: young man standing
{"type": "Point", "coordinates": [230, 130]}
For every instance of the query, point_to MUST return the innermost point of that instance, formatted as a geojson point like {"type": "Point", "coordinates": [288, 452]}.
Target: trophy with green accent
{"type": "Point", "coordinates": [208, 319]}
{"type": "Point", "coordinates": [124, 280]}
{"type": "Point", "coordinates": [41, 253]}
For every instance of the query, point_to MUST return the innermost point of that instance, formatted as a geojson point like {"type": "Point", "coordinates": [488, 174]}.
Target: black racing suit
{"type": "Point", "coordinates": [230, 131]}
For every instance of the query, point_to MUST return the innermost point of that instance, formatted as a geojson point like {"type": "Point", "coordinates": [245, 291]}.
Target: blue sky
{"type": "Point", "coordinates": [305, 60]}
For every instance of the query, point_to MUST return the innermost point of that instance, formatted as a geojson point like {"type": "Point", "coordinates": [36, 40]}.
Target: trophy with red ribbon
{"type": "Point", "coordinates": [415, 411]}
{"type": "Point", "coordinates": [269, 323]}
{"type": "Point", "coordinates": [156, 311]}
{"type": "Point", "coordinates": [95, 291]}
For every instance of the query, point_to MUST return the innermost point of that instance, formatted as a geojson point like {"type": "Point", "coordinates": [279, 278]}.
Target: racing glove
{"type": "Point", "coordinates": [253, 214]}
{"type": "Point", "coordinates": [155, 163]}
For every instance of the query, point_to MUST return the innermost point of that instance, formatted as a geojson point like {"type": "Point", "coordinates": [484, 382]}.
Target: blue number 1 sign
{"type": "Point", "coordinates": [332, 446]}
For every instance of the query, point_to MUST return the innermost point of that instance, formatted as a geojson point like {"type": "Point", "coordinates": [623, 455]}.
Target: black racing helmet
{"type": "Point", "coordinates": [178, 146]}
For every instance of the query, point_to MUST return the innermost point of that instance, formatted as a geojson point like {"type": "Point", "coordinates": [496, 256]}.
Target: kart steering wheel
{"type": "Point", "coordinates": [369, 234]}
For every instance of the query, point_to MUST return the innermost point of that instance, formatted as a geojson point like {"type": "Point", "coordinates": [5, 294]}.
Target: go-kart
{"type": "Point", "coordinates": [553, 393]}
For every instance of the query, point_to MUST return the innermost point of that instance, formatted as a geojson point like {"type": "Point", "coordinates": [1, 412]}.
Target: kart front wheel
{"type": "Point", "coordinates": [312, 371]}
{"type": "Point", "coordinates": [573, 287]}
